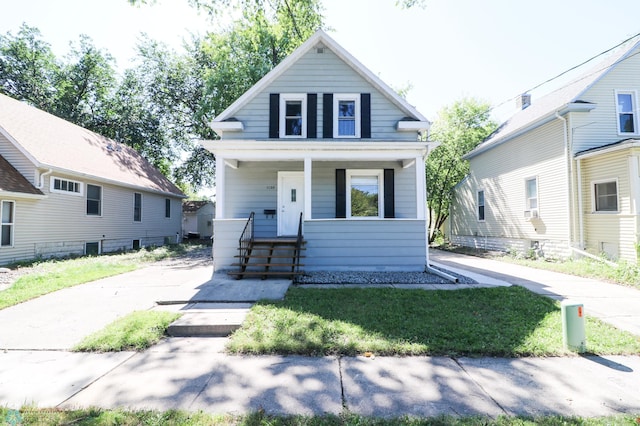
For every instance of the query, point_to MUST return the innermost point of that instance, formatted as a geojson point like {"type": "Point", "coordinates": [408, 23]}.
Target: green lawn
{"type": "Point", "coordinates": [99, 417]}
{"type": "Point", "coordinates": [503, 321]}
{"type": "Point", "coordinates": [134, 332]}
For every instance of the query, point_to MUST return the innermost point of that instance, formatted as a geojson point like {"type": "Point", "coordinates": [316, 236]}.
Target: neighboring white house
{"type": "Point", "coordinates": [66, 190]}
{"type": "Point", "coordinates": [562, 175]}
{"type": "Point", "coordinates": [322, 136]}
{"type": "Point", "coordinates": [197, 219]}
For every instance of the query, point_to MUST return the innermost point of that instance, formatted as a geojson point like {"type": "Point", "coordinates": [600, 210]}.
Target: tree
{"type": "Point", "coordinates": [459, 128]}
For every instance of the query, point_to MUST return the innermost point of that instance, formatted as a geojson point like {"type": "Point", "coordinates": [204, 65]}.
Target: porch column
{"type": "Point", "coordinates": [220, 184]}
{"type": "Point", "coordinates": [307, 188]}
{"type": "Point", "coordinates": [421, 189]}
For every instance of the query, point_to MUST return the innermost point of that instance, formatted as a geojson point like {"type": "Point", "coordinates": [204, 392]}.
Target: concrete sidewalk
{"type": "Point", "coordinates": [195, 374]}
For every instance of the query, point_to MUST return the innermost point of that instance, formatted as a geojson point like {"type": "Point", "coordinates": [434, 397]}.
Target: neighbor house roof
{"type": "Point", "coordinates": [12, 181]}
{"type": "Point", "coordinates": [50, 142]}
{"type": "Point", "coordinates": [565, 99]}
{"type": "Point", "coordinates": [321, 37]}
{"type": "Point", "coordinates": [193, 206]}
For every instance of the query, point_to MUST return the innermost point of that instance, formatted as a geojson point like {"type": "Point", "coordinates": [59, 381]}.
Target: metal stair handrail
{"type": "Point", "coordinates": [246, 242]}
{"type": "Point", "coordinates": [299, 244]}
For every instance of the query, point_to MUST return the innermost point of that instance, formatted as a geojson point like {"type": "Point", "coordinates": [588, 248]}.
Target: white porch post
{"type": "Point", "coordinates": [307, 188]}
{"type": "Point", "coordinates": [220, 184]}
{"type": "Point", "coordinates": [421, 189]}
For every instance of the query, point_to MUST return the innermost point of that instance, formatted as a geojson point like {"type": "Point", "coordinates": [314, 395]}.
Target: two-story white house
{"type": "Point", "coordinates": [322, 146]}
{"type": "Point", "coordinates": [66, 190]}
{"type": "Point", "coordinates": [563, 174]}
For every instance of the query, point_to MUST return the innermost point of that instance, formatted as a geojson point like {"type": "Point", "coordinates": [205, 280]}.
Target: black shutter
{"type": "Point", "coordinates": [274, 115]}
{"type": "Point", "coordinates": [365, 115]}
{"type": "Point", "coordinates": [341, 193]}
{"type": "Point", "coordinates": [389, 194]}
{"type": "Point", "coordinates": [312, 115]}
{"type": "Point", "coordinates": [327, 115]}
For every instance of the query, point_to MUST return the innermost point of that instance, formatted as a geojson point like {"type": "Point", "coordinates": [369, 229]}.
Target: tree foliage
{"type": "Point", "coordinates": [459, 128]}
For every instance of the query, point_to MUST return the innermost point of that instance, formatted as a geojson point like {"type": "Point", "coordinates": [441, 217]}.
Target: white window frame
{"type": "Point", "coordinates": [593, 196]}
{"type": "Point", "coordinates": [528, 198]}
{"type": "Point", "coordinates": [379, 174]}
{"type": "Point", "coordinates": [134, 207]}
{"type": "Point", "coordinates": [284, 97]}
{"type": "Point", "coordinates": [634, 111]}
{"type": "Point", "coordinates": [337, 97]}
{"type": "Point", "coordinates": [101, 200]}
{"type": "Point", "coordinates": [12, 224]}
{"type": "Point", "coordinates": [63, 191]}
{"type": "Point", "coordinates": [484, 205]}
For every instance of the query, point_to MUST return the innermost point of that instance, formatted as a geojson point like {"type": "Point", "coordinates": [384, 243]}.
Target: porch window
{"type": "Point", "coordinates": [137, 207]}
{"type": "Point", "coordinates": [480, 201]}
{"type": "Point", "coordinates": [94, 200]}
{"type": "Point", "coordinates": [605, 196]}
{"type": "Point", "coordinates": [364, 193]}
{"type": "Point", "coordinates": [66, 186]}
{"type": "Point", "coordinates": [293, 115]}
{"type": "Point", "coordinates": [626, 112]}
{"type": "Point", "coordinates": [347, 117]}
{"type": "Point", "coordinates": [7, 213]}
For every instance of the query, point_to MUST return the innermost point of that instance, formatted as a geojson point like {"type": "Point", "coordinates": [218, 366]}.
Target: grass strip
{"type": "Point", "coordinates": [97, 417]}
{"type": "Point", "coordinates": [135, 332]}
{"type": "Point", "coordinates": [504, 321]}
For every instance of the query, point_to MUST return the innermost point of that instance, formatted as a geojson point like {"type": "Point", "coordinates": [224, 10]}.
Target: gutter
{"type": "Point", "coordinates": [42, 176]}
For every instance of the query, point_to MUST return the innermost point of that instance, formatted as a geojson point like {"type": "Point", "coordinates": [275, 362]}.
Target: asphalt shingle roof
{"type": "Point", "coordinates": [12, 181]}
{"type": "Point", "coordinates": [52, 142]}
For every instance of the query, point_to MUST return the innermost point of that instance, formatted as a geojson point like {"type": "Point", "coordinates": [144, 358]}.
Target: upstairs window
{"type": "Point", "coordinates": [347, 115]}
{"type": "Point", "coordinates": [605, 196]}
{"type": "Point", "coordinates": [293, 115]}
{"type": "Point", "coordinates": [625, 104]}
{"type": "Point", "coordinates": [66, 186]}
{"type": "Point", "coordinates": [137, 207]}
{"type": "Point", "coordinates": [7, 213]}
{"type": "Point", "coordinates": [480, 201]}
{"type": "Point", "coordinates": [94, 200]}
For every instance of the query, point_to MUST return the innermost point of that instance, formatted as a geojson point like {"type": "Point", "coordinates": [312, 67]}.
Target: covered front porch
{"type": "Point", "coordinates": [362, 204]}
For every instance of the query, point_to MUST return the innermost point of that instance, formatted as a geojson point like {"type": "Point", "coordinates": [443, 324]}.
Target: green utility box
{"type": "Point", "coordinates": [573, 336]}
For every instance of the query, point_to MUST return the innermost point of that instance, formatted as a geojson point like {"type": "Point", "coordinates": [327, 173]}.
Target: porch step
{"type": "Point", "coordinates": [266, 256]}
{"type": "Point", "coordinates": [286, 265]}
{"type": "Point", "coordinates": [239, 274]}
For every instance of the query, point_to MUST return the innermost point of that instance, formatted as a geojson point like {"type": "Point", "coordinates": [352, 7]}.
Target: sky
{"type": "Point", "coordinates": [492, 50]}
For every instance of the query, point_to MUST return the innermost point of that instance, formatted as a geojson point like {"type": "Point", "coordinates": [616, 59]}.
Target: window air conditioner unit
{"type": "Point", "coordinates": [531, 214]}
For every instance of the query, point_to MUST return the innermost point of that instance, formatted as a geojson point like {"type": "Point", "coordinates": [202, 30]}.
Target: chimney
{"type": "Point", "coordinates": [523, 101]}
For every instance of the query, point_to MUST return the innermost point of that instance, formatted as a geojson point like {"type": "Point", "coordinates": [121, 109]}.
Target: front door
{"type": "Point", "coordinates": [290, 202]}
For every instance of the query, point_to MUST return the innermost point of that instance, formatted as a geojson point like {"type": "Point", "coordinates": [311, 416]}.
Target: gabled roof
{"type": "Point", "coordinates": [321, 37]}
{"type": "Point", "coordinates": [562, 100]}
{"type": "Point", "coordinates": [52, 143]}
{"type": "Point", "coordinates": [11, 181]}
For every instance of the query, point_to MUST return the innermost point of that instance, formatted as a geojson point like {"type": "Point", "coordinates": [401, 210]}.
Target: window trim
{"type": "Point", "coordinates": [52, 188]}
{"type": "Point", "coordinates": [100, 201]}
{"type": "Point", "coordinates": [527, 198]}
{"type": "Point", "coordinates": [137, 219]}
{"type": "Point", "coordinates": [634, 111]}
{"type": "Point", "coordinates": [284, 97]}
{"type": "Point", "coordinates": [11, 224]}
{"type": "Point", "coordinates": [379, 174]}
{"type": "Point", "coordinates": [594, 200]}
{"type": "Point", "coordinates": [484, 205]}
{"type": "Point", "coordinates": [337, 97]}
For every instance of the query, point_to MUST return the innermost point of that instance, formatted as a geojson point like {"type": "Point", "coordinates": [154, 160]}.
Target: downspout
{"type": "Point", "coordinates": [567, 177]}
{"type": "Point", "coordinates": [42, 176]}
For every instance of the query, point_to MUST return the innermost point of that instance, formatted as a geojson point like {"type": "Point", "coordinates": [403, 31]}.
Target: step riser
{"type": "Point", "coordinates": [220, 330]}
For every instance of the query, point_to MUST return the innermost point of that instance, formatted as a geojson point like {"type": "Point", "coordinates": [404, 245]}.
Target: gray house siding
{"type": "Point", "coordinates": [320, 73]}
{"type": "Point", "coordinates": [59, 226]}
{"type": "Point", "coordinates": [17, 159]}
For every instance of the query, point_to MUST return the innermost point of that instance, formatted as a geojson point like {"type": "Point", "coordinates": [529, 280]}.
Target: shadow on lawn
{"type": "Point", "coordinates": [487, 321]}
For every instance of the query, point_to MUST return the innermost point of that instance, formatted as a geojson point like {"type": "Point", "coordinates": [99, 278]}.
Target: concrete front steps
{"type": "Point", "coordinates": [207, 319]}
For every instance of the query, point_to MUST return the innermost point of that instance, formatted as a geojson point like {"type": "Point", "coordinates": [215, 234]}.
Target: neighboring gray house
{"type": "Point", "coordinates": [323, 144]}
{"type": "Point", "coordinates": [197, 219]}
{"type": "Point", "coordinates": [66, 190]}
{"type": "Point", "coordinates": [562, 176]}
